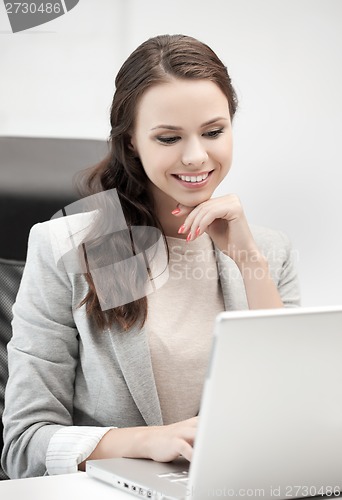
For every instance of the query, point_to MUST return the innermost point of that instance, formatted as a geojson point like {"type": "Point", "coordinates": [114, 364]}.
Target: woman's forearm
{"type": "Point", "coordinates": [127, 442]}
{"type": "Point", "coordinates": [261, 291]}
{"type": "Point", "coordinates": [161, 443]}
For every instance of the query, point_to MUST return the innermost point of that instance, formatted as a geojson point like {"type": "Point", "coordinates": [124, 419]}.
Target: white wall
{"type": "Point", "coordinates": [285, 60]}
{"type": "Point", "coordinates": [58, 78]}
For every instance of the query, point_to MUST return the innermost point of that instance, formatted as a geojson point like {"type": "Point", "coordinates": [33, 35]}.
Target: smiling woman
{"type": "Point", "coordinates": [127, 381]}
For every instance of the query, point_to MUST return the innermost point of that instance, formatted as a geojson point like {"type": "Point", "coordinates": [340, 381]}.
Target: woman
{"type": "Point", "coordinates": [90, 381]}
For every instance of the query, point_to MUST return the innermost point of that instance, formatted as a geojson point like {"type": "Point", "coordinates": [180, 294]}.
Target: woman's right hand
{"type": "Point", "coordinates": [160, 443]}
{"type": "Point", "coordinates": [167, 442]}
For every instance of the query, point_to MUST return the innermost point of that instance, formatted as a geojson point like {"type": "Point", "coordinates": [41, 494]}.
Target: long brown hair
{"type": "Point", "coordinates": [155, 61]}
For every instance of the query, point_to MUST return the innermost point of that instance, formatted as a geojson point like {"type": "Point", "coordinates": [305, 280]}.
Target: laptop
{"type": "Point", "coordinates": [270, 423]}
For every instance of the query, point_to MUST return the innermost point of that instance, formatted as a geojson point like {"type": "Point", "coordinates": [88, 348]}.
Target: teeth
{"type": "Point", "coordinates": [188, 178]}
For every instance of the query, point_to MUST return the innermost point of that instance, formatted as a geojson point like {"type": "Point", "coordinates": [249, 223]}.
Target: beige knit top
{"type": "Point", "coordinates": [180, 326]}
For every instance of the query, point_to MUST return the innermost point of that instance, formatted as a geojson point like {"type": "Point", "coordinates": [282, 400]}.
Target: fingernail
{"type": "Point", "coordinates": [188, 238]}
{"type": "Point", "coordinates": [198, 230]}
{"type": "Point", "coordinates": [181, 229]}
{"type": "Point", "coordinates": [175, 211]}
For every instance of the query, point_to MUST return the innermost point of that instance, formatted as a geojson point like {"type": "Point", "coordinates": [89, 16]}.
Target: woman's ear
{"type": "Point", "coordinates": [131, 145]}
{"type": "Point", "coordinates": [132, 149]}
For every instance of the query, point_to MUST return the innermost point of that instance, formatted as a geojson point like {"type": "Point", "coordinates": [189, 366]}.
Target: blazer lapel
{"type": "Point", "coordinates": [132, 351]}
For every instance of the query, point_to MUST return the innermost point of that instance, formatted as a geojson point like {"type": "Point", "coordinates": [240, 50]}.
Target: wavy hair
{"type": "Point", "coordinates": [155, 61]}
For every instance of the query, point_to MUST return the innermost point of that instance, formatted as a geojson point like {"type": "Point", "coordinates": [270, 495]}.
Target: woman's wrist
{"type": "Point", "coordinates": [247, 257]}
{"type": "Point", "coordinates": [130, 442]}
{"type": "Point", "coordinates": [252, 260]}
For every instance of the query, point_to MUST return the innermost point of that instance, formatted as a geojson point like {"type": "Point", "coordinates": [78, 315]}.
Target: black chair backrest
{"type": "Point", "coordinates": [36, 181]}
{"type": "Point", "coordinates": [10, 276]}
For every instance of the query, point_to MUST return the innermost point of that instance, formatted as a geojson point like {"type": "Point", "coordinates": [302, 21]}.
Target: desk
{"type": "Point", "coordinates": [78, 486]}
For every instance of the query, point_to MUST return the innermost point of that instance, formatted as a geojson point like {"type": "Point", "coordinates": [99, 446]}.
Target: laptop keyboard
{"type": "Point", "coordinates": [176, 477]}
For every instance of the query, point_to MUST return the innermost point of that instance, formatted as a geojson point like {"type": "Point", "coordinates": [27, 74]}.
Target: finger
{"type": "Point", "coordinates": [192, 214]}
{"type": "Point", "coordinates": [205, 217]}
{"type": "Point", "coordinates": [181, 210]}
{"type": "Point", "coordinates": [198, 222]}
{"type": "Point", "coordinates": [201, 224]}
{"type": "Point", "coordinates": [186, 450]}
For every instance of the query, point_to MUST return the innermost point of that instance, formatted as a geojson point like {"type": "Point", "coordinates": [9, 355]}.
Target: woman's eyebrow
{"type": "Point", "coordinates": [169, 127]}
{"type": "Point", "coordinates": [173, 127]}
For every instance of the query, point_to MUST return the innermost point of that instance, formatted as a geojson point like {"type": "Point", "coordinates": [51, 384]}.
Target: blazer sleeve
{"type": "Point", "coordinates": [42, 357]}
{"type": "Point", "coordinates": [282, 259]}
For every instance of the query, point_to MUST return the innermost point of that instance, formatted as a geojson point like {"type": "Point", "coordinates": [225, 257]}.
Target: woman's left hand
{"type": "Point", "coordinates": [224, 220]}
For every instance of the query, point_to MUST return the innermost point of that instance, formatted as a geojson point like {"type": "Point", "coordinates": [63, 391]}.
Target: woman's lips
{"type": "Point", "coordinates": [191, 184]}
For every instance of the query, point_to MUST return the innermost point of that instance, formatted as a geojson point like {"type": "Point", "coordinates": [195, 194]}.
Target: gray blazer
{"type": "Point", "coordinates": [63, 372]}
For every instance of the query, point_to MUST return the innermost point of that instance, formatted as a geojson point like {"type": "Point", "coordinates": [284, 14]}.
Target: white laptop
{"type": "Point", "coordinates": [270, 424]}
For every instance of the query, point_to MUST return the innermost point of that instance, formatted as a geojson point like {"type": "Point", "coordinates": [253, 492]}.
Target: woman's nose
{"type": "Point", "coordinates": [194, 153]}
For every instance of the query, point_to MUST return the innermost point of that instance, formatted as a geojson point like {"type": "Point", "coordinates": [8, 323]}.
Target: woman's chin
{"type": "Point", "coordinates": [192, 200]}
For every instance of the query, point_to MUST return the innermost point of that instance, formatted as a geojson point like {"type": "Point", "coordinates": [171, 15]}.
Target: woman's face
{"type": "Point", "coordinates": [183, 137]}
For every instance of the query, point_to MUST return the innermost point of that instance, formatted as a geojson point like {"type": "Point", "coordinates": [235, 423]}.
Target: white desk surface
{"type": "Point", "coordinates": [78, 486]}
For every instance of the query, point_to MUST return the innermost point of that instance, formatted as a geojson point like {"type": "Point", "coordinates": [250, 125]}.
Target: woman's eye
{"type": "Point", "coordinates": [168, 140]}
{"type": "Point", "coordinates": [214, 133]}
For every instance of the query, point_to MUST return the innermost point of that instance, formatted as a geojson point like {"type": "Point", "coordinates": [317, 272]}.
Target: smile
{"type": "Point", "coordinates": [193, 178]}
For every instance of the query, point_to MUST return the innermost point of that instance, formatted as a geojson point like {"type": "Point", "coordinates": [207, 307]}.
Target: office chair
{"type": "Point", "coordinates": [35, 182]}
{"type": "Point", "coordinates": [10, 276]}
